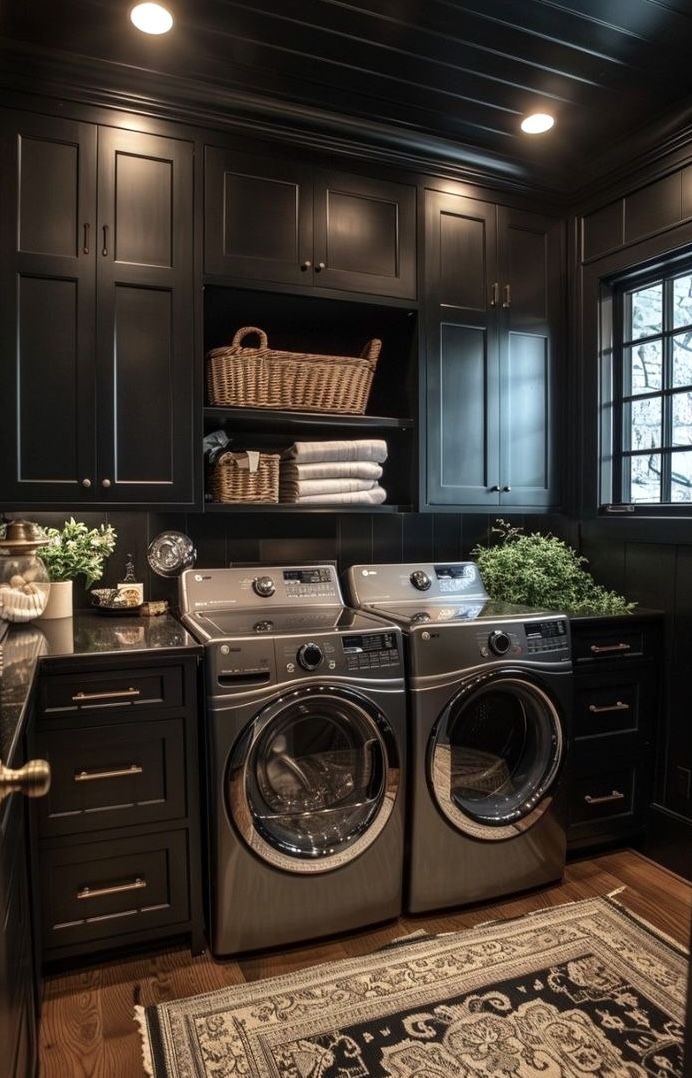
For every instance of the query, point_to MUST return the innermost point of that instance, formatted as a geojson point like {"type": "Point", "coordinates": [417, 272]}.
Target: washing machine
{"type": "Point", "coordinates": [489, 718]}
{"type": "Point", "coordinates": [306, 742]}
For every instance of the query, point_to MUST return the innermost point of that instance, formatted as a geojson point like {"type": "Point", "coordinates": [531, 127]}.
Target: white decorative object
{"type": "Point", "coordinates": [59, 603]}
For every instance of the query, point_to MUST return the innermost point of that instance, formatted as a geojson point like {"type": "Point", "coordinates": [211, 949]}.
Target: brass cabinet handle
{"type": "Point", "coordinates": [601, 649]}
{"type": "Point", "coordinates": [619, 705]}
{"type": "Point", "coordinates": [119, 773]}
{"type": "Point", "coordinates": [105, 483]}
{"type": "Point", "coordinates": [32, 780]}
{"type": "Point", "coordinates": [507, 301]}
{"type": "Point", "coordinates": [614, 796]}
{"type": "Point", "coordinates": [494, 294]}
{"type": "Point", "coordinates": [104, 252]}
{"type": "Point", "coordinates": [85, 247]}
{"type": "Point", "coordinates": [115, 694]}
{"type": "Point", "coordinates": [306, 264]}
{"type": "Point", "coordinates": [319, 267]}
{"type": "Point", "coordinates": [118, 889]}
{"type": "Point", "coordinates": [86, 483]}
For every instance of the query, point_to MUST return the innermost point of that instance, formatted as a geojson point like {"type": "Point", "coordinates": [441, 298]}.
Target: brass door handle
{"type": "Point", "coordinates": [104, 250]}
{"type": "Point", "coordinates": [494, 294]}
{"type": "Point", "coordinates": [602, 649]}
{"type": "Point", "coordinates": [614, 796]}
{"type": "Point", "coordinates": [118, 889]}
{"type": "Point", "coordinates": [116, 694]}
{"type": "Point", "coordinates": [33, 779]}
{"type": "Point", "coordinates": [118, 773]}
{"type": "Point", "coordinates": [85, 246]}
{"type": "Point", "coordinates": [618, 706]}
{"type": "Point", "coordinates": [507, 301]}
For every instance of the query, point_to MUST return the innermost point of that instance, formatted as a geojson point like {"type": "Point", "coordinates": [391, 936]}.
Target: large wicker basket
{"type": "Point", "coordinates": [262, 377]}
{"type": "Point", "coordinates": [245, 477]}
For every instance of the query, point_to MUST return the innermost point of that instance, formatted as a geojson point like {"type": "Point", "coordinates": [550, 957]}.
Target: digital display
{"type": "Point", "coordinates": [453, 572]}
{"type": "Point", "coordinates": [545, 629]}
{"type": "Point", "coordinates": [372, 642]}
{"type": "Point", "coordinates": [307, 576]}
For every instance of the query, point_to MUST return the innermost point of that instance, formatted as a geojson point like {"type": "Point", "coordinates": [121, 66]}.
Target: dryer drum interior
{"type": "Point", "coordinates": [495, 755]}
{"type": "Point", "coordinates": [314, 777]}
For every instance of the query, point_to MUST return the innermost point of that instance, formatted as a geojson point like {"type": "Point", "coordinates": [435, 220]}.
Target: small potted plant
{"type": "Point", "coordinates": [72, 551]}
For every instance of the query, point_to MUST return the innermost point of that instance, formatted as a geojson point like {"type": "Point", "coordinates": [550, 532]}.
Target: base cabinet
{"type": "Point", "coordinates": [616, 704]}
{"type": "Point", "coordinates": [119, 833]}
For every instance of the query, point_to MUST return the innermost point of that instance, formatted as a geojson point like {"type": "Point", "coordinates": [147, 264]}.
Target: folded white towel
{"type": "Point", "coordinates": [332, 469]}
{"type": "Point", "coordinates": [373, 449]}
{"type": "Point", "coordinates": [361, 497]}
{"type": "Point", "coordinates": [300, 487]}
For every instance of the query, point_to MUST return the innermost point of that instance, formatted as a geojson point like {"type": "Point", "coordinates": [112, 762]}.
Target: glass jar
{"type": "Point", "coordinates": [24, 582]}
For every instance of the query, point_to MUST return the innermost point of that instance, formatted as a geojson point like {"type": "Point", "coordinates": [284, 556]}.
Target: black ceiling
{"type": "Point", "coordinates": [461, 71]}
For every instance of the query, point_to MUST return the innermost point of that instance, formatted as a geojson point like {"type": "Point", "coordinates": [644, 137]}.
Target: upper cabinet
{"type": "Point", "coordinates": [268, 219]}
{"type": "Point", "coordinates": [96, 268]}
{"type": "Point", "coordinates": [493, 284]}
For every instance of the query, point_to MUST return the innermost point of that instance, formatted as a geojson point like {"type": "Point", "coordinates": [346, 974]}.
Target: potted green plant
{"type": "Point", "coordinates": [73, 551]}
{"type": "Point", "coordinates": [542, 571]}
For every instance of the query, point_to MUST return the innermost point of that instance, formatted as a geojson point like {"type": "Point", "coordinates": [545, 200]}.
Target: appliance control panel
{"type": "Point", "coordinates": [204, 590]}
{"type": "Point", "coordinates": [372, 651]}
{"type": "Point", "coordinates": [547, 637]}
{"type": "Point", "coordinates": [379, 584]}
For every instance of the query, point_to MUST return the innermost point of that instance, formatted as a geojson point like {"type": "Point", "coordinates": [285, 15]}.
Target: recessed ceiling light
{"type": "Point", "coordinates": [151, 18]}
{"type": "Point", "coordinates": [537, 123]}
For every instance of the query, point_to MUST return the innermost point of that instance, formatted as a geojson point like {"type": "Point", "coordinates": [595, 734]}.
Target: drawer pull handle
{"type": "Point", "coordinates": [116, 694]}
{"type": "Point", "coordinates": [601, 649]}
{"type": "Point", "coordinates": [118, 889]}
{"type": "Point", "coordinates": [120, 773]}
{"type": "Point", "coordinates": [614, 796]}
{"type": "Point", "coordinates": [620, 705]}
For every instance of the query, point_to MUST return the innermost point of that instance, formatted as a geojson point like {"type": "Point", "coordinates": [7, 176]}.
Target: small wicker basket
{"type": "Point", "coordinates": [247, 476]}
{"type": "Point", "coordinates": [262, 377]}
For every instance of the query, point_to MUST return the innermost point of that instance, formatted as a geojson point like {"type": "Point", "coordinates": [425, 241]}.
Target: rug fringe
{"type": "Point", "coordinates": [141, 1020]}
{"type": "Point", "coordinates": [617, 891]}
{"type": "Point", "coordinates": [653, 929]}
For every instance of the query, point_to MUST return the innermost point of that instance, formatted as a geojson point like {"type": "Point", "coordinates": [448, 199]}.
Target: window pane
{"type": "Point", "coordinates": [646, 312]}
{"type": "Point", "coordinates": [682, 301]}
{"type": "Point", "coordinates": [643, 367]}
{"type": "Point", "coordinates": [681, 477]}
{"type": "Point", "coordinates": [643, 417]}
{"type": "Point", "coordinates": [682, 360]}
{"type": "Point", "coordinates": [644, 475]}
{"type": "Point", "coordinates": [682, 419]}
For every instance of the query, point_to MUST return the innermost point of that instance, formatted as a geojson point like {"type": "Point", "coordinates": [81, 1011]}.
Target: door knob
{"type": "Point", "coordinates": [506, 490]}
{"type": "Point", "coordinates": [33, 779]}
{"type": "Point", "coordinates": [105, 483]}
{"type": "Point", "coordinates": [86, 483]}
{"type": "Point", "coordinates": [319, 266]}
{"type": "Point", "coordinates": [495, 489]}
{"type": "Point", "coordinates": [306, 265]}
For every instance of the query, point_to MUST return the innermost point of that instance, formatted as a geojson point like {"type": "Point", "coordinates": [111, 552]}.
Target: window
{"type": "Point", "coordinates": [650, 385]}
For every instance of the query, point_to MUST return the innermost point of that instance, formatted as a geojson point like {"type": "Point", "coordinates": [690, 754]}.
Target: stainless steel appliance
{"type": "Point", "coordinates": [306, 710]}
{"type": "Point", "coordinates": [490, 698]}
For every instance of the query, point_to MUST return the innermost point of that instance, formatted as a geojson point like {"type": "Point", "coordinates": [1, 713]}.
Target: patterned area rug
{"type": "Point", "coordinates": [584, 989]}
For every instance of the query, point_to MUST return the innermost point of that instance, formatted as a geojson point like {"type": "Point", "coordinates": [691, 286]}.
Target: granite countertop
{"type": "Point", "coordinates": [87, 636]}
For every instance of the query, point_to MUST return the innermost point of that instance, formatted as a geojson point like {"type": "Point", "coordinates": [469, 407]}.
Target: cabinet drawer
{"type": "Point", "coordinates": [608, 643]}
{"type": "Point", "coordinates": [608, 792]}
{"type": "Point", "coordinates": [112, 776]}
{"type": "Point", "coordinates": [101, 691]}
{"type": "Point", "coordinates": [614, 703]}
{"type": "Point", "coordinates": [100, 891]}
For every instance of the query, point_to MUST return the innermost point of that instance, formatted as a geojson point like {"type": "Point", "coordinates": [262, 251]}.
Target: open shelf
{"type": "Point", "coordinates": [285, 507]}
{"type": "Point", "coordinates": [261, 418]}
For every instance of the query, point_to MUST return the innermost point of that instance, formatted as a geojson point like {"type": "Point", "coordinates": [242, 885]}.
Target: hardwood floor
{"type": "Point", "coordinates": [87, 1030]}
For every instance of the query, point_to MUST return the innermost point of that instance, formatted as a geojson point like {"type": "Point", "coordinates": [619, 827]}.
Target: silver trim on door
{"type": "Point", "coordinates": [242, 753]}
{"type": "Point", "coordinates": [440, 762]}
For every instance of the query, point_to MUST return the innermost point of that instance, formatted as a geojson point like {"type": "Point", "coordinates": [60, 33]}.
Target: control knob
{"type": "Point", "coordinates": [310, 656]}
{"type": "Point", "coordinates": [420, 580]}
{"type": "Point", "coordinates": [499, 643]}
{"type": "Point", "coordinates": [263, 586]}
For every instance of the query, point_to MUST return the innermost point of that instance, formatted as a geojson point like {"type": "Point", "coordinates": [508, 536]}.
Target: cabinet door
{"type": "Point", "coordinates": [530, 258]}
{"type": "Point", "coordinates": [365, 235]}
{"type": "Point", "coordinates": [47, 235]}
{"type": "Point", "coordinates": [145, 323]}
{"type": "Point", "coordinates": [257, 218]}
{"type": "Point", "coordinates": [462, 360]}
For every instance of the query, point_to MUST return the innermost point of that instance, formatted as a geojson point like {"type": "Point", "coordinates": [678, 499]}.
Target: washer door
{"type": "Point", "coordinates": [312, 781]}
{"type": "Point", "coordinates": [495, 755]}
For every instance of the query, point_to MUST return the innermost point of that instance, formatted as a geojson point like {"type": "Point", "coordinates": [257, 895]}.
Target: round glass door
{"type": "Point", "coordinates": [495, 755]}
{"type": "Point", "coordinates": [313, 780]}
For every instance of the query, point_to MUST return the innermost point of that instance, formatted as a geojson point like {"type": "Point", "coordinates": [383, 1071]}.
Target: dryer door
{"type": "Point", "coordinates": [495, 755]}
{"type": "Point", "coordinates": [313, 780]}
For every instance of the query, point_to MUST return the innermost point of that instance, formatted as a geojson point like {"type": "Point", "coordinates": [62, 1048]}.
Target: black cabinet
{"type": "Point", "coordinates": [271, 219]}
{"type": "Point", "coordinates": [493, 278]}
{"type": "Point", "coordinates": [96, 327]}
{"type": "Point", "coordinates": [119, 833]}
{"type": "Point", "coordinates": [616, 704]}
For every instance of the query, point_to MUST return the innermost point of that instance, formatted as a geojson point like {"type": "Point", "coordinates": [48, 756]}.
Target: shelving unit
{"type": "Point", "coordinates": [267, 418]}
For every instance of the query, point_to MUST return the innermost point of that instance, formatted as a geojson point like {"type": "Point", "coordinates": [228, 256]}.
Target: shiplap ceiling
{"type": "Point", "coordinates": [461, 71]}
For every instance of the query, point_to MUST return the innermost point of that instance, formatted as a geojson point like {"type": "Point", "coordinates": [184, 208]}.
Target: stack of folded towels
{"type": "Point", "coordinates": [333, 473]}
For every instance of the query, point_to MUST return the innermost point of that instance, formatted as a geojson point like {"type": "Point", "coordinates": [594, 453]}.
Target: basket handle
{"type": "Point", "coordinates": [246, 331]}
{"type": "Point", "coordinates": [371, 351]}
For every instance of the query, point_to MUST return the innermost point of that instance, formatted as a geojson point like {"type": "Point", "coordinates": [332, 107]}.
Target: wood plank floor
{"type": "Point", "coordinates": [87, 1030]}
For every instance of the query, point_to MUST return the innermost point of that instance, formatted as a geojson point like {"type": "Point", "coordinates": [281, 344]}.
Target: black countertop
{"type": "Point", "coordinates": [84, 637]}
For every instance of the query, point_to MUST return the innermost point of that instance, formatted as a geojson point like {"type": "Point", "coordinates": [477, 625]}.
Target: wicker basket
{"type": "Point", "coordinates": [261, 377]}
{"type": "Point", "coordinates": [245, 477]}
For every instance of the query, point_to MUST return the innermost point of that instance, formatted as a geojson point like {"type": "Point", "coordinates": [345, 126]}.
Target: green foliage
{"type": "Point", "coordinates": [541, 570]}
{"type": "Point", "coordinates": [76, 551]}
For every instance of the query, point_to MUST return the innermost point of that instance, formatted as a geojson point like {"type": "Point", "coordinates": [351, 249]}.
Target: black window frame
{"type": "Point", "coordinates": [613, 398]}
